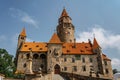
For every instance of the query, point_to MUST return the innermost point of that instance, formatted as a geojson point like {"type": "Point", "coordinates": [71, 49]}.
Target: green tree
{"type": "Point", "coordinates": [115, 71]}
{"type": "Point", "coordinates": [6, 63]}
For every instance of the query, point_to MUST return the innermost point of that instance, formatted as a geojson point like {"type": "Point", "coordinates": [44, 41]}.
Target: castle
{"type": "Point", "coordinates": [62, 55]}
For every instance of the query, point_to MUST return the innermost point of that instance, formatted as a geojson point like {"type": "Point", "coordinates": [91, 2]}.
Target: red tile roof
{"type": "Point", "coordinates": [95, 44]}
{"type": "Point", "coordinates": [77, 48]}
{"type": "Point", "coordinates": [34, 46]}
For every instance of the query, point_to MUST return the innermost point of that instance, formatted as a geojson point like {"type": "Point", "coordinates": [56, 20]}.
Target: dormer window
{"type": "Point", "coordinates": [25, 45]}
{"type": "Point", "coordinates": [40, 48]}
{"type": "Point", "coordinates": [37, 45]}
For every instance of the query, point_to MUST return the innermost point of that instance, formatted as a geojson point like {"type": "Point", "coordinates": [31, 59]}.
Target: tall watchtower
{"type": "Point", "coordinates": [65, 28]}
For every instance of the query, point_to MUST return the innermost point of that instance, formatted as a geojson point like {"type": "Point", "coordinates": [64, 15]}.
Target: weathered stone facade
{"type": "Point", "coordinates": [62, 54]}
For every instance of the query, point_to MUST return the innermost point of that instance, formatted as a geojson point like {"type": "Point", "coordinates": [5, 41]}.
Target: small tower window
{"type": "Point", "coordinates": [24, 65]}
{"type": "Point", "coordinates": [22, 37]}
{"type": "Point", "coordinates": [106, 71]}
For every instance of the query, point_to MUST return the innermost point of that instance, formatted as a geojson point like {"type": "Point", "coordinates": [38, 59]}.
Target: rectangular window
{"type": "Point", "coordinates": [83, 60]}
{"type": "Point", "coordinates": [77, 57]}
{"type": "Point", "coordinates": [84, 68]}
{"type": "Point", "coordinates": [106, 71]}
{"type": "Point", "coordinates": [65, 59]}
{"type": "Point", "coordinates": [65, 68]}
{"type": "Point", "coordinates": [74, 68]}
{"type": "Point", "coordinates": [73, 60]}
{"type": "Point", "coordinates": [91, 60]}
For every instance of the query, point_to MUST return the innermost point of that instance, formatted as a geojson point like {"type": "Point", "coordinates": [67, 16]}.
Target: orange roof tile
{"type": "Point", "coordinates": [95, 44]}
{"type": "Point", "coordinates": [23, 33]}
{"type": "Point", "coordinates": [55, 39]}
{"type": "Point", "coordinates": [77, 48]}
{"type": "Point", "coordinates": [34, 46]}
{"type": "Point", "coordinates": [105, 57]}
{"type": "Point", "coordinates": [64, 13]}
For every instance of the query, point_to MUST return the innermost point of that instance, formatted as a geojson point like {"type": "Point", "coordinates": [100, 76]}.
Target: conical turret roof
{"type": "Point", "coordinates": [95, 44]}
{"type": "Point", "coordinates": [64, 13]}
{"type": "Point", "coordinates": [55, 39]}
{"type": "Point", "coordinates": [23, 32]}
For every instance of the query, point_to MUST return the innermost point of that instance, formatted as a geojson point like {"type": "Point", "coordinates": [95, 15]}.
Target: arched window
{"type": "Point", "coordinates": [42, 56]}
{"type": "Point", "coordinates": [35, 56]}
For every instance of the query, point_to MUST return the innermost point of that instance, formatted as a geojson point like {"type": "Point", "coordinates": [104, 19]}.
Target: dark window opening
{"type": "Point", "coordinates": [24, 65]}
{"type": "Point", "coordinates": [42, 56]}
{"type": "Point", "coordinates": [28, 55]}
{"type": "Point", "coordinates": [35, 56]}
{"type": "Point", "coordinates": [84, 68]}
{"type": "Point", "coordinates": [65, 68]}
{"type": "Point", "coordinates": [70, 40]}
{"type": "Point", "coordinates": [65, 59]}
{"type": "Point", "coordinates": [105, 62]}
{"type": "Point", "coordinates": [42, 66]}
{"type": "Point", "coordinates": [73, 60]}
{"type": "Point", "coordinates": [83, 60]}
{"type": "Point", "coordinates": [106, 71]}
{"type": "Point", "coordinates": [77, 57]}
{"type": "Point", "coordinates": [22, 37]}
{"type": "Point", "coordinates": [91, 60]}
{"type": "Point", "coordinates": [74, 68]}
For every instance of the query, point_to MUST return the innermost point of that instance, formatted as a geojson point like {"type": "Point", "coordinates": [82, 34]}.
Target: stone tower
{"type": "Point", "coordinates": [21, 38]}
{"type": "Point", "coordinates": [65, 28]}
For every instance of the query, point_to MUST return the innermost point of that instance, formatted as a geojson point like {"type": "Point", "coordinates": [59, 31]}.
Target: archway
{"type": "Point", "coordinates": [57, 69]}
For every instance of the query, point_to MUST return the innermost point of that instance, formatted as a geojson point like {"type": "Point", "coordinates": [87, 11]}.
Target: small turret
{"type": "Point", "coordinates": [21, 38]}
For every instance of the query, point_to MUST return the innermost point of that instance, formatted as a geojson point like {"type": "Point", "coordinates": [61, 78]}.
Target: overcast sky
{"type": "Point", "coordinates": [99, 18]}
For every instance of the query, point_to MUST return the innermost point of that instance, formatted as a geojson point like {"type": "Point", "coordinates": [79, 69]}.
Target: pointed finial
{"type": "Point", "coordinates": [94, 35]}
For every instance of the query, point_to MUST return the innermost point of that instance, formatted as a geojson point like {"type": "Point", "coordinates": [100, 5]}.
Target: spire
{"type": "Point", "coordinates": [95, 44]}
{"type": "Point", "coordinates": [55, 39]}
{"type": "Point", "coordinates": [64, 13]}
{"type": "Point", "coordinates": [23, 33]}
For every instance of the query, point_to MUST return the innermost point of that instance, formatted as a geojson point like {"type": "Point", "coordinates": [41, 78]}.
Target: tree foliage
{"type": "Point", "coordinates": [6, 63]}
{"type": "Point", "coordinates": [115, 71]}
